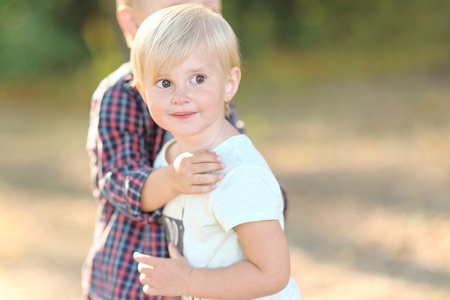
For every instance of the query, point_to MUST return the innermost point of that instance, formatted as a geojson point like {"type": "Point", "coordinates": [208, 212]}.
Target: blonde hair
{"type": "Point", "coordinates": [169, 36]}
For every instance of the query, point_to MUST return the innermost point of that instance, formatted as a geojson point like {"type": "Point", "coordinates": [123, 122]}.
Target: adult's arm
{"type": "Point", "coordinates": [122, 142]}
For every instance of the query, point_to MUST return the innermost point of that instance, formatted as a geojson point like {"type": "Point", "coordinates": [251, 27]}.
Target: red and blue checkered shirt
{"type": "Point", "coordinates": [123, 141]}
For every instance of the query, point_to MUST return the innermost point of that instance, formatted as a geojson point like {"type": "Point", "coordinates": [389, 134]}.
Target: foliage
{"type": "Point", "coordinates": [52, 36]}
{"type": "Point", "coordinates": [40, 36]}
{"type": "Point", "coordinates": [327, 39]}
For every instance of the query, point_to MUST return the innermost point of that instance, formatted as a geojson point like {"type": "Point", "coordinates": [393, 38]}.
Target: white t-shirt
{"type": "Point", "coordinates": [202, 225]}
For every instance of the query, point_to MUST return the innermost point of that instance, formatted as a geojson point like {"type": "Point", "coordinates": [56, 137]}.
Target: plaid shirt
{"type": "Point", "coordinates": [123, 141]}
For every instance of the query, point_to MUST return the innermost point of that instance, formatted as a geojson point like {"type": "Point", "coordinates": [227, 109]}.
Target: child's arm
{"type": "Point", "coordinates": [189, 174]}
{"type": "Point", "coordinates": [265, 271]}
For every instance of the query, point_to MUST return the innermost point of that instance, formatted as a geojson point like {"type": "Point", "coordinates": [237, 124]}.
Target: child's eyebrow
{"type": "Point", "coordinates": [198, 69]}
{"type": "Point", "coordinates": [162, 75]}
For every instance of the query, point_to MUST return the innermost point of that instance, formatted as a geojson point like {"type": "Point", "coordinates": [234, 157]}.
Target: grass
{"type": "Point", "coordinates": [365, 162]}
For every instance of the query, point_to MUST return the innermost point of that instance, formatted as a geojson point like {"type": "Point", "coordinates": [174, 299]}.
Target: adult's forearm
{"type": "Point", "coordinates": [157, 189]}
{"type": "Point", "coordinates": [122, 188]}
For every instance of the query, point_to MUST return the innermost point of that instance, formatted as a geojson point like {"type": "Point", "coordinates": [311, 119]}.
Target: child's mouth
{"type": "Point", "coordinates": [183, 114]}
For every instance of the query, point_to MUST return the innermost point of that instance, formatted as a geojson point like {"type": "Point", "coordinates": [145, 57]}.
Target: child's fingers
{"type": "Point", "coordinates": [145, 259]}
{"type": "Point", "coordinates": [139, 257]}
{"type": "Point", "coordinates": [204, 156]}
{"type": "Point", "coordinates": [149, 291]}
{"type": "Point", "coordinates": [207, 167]}
{"type": "Point", "coordinates": [200, 189]}
{"type": "Point", "coordinates": [145, 269]}
{"type": "Point", "coordinates": [205, 179]}
{"type": "Point", "coordinates": [145, 280]}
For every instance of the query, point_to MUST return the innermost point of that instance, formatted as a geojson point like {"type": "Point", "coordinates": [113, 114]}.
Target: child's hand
{"type": "Point", "coordinates": [164, 276]}
{"type": "Point", "coordinates": [193, 172]}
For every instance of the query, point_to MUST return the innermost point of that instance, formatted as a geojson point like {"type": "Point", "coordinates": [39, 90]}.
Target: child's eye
{"type": "Point", "coordinates": [164, 83]}
{"type": "Point", "coordinates": [198, 79]}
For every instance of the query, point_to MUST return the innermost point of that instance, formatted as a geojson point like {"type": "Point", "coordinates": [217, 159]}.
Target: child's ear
{"type": "Point", "coordinates": [232, 85]}
{"type": "Point", "coordinates": [128, 21]}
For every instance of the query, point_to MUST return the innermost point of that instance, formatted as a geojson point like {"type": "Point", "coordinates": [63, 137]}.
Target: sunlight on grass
{"type": "Point", "coordinates": [365, 163]}
{"type": "Point", "coordinates": [325, 280]}
{"type": "Point", "coordinates": [45, 238]}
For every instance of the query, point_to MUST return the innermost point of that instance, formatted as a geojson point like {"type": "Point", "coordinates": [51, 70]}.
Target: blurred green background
{"type": "Point", "coordinates": [349, 101]}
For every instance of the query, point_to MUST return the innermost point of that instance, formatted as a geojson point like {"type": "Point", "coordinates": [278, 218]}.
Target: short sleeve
{"type": "Point", "coordinates": [247, 194]}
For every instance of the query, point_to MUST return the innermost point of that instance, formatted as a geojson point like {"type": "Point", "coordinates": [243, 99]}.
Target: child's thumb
{"type": "Point", "coordinates": [173, 251]}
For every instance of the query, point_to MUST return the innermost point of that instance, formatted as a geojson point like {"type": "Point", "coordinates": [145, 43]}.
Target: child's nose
{"type": "Point", "coordinates": [180, 97]}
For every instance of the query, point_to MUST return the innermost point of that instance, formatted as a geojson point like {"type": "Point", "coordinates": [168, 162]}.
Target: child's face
{"type": "Point", "coordinates": [189, 99]}
{"type": "Point", "coordinates": [145, 8]}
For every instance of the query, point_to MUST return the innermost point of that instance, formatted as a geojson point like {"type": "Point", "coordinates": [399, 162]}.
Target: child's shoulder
{"type": "Point", "coordinates": [239, 153]}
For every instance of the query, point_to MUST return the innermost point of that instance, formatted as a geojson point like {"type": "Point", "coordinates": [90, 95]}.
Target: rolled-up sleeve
{"type": "Point", "coordinates": [124, 150]}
